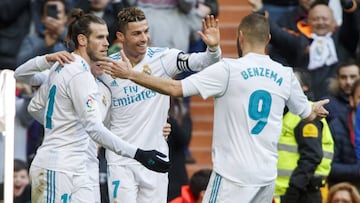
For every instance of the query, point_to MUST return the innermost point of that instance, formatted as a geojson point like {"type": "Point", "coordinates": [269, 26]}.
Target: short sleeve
{"type": "Point", "coordinates": [212, 81]}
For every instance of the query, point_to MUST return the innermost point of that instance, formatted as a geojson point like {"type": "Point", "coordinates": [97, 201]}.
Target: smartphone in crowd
{"type": "Point", "coordinates": [52, 11]}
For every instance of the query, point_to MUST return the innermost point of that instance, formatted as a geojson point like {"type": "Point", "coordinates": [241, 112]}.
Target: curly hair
{"type": "Point", "coordinates": [128, 15]}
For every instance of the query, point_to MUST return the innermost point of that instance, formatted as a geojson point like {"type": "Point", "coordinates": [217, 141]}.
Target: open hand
{"type": "Point", "coordinates": [62, 57]}
{"type": "Point", "coordinates": [120, 69]}
{"type": "Point", "coordinates": [319, 110]}
{"type": "Point", "coordinates": [211, 32]}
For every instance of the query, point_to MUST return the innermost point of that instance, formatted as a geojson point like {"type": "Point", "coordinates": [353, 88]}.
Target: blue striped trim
{"type": "Point", "coordinates": [115, 56]}
{"type": "Point", "coordinates": [50, 188]}
{"type": "Point", "coordinates": [215, 188]}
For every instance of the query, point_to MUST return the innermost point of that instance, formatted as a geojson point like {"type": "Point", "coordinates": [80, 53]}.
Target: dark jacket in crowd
{"type": "Point", "coordinates": [344, 166]}
{"type": "Point", "coordinates": [14, 26]}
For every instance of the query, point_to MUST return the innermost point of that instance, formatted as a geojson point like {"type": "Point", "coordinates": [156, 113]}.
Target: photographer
{"type": "Point", "coordinates": [54, 19]}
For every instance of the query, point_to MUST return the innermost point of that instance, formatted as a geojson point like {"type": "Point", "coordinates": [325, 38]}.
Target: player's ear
{"type": "Point", "coordinates": [120, 36]}
{"type": "Point", "coordinates": [241, 37]}
{"type": "Point", "coordinates": [82, 40]}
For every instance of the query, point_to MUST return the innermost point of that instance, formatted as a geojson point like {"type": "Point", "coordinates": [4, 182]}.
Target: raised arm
{"type": "Point", "coordinates": [211, 32]}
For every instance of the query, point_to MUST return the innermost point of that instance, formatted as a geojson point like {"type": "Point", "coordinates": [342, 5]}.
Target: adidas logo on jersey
{"type": "Point", "coordinates": [114, 83]}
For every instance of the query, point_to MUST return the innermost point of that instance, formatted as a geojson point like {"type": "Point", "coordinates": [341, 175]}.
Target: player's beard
{"type": "Point", "coordinates": [92, 55]}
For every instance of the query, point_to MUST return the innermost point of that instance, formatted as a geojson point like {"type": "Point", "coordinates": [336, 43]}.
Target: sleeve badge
{"type": "Point", "coordinates": [310, 130]}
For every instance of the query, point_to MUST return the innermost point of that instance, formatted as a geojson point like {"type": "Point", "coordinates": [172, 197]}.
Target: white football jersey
{"type": "Point", "coordinates": [35, 72]}
{"type": "Point", "coordinates": [250, 94]}
{"type": "Point", "coordinates": [138, 114]}
{"type": "Point", "coordinates": [73, 113]}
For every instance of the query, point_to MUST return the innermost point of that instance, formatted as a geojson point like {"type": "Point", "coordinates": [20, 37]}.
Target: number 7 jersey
{"type": "Point", "coordinates": [250, 95]}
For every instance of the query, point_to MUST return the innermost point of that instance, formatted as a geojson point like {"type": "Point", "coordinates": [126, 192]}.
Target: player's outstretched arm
{"type": "Point", "coordinates": [318, 111]}
{"type": "Point", "coordinates": [123, 69]}
{"type": "Point", "coordinates": [152, 160]}
{"type": "Point", "coordinates": [211, 32]}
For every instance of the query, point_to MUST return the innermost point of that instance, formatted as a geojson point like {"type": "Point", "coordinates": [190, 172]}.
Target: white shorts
{"type": "Point", "coordinates": [223, 190]}
{"type": "Point", "coordinates": [53, 186]}
{"type": "Point", "coordinates": [136, 184]}
{"type": "Point", "coordinates": [93, 170]}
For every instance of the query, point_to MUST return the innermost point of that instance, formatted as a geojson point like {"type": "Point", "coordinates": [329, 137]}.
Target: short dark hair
{"type": "Point", "coordinates": [19, 165]}
{"type": "Point", "coordinates": [128, 15]}
{"type": "Point", "coordinates": [199, 182]}
{"type": "Point", "coordinates": [255, 27]}
{"type": "Point", "coordinates": [346, 62]}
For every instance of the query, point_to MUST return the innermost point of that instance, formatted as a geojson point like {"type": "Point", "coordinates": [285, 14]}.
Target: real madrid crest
{"type": "Point", "coordinates": [146, 69]}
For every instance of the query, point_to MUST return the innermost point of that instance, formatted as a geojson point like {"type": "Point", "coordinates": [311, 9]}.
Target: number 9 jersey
{"type": "Point", "coordinates": [250, 94]}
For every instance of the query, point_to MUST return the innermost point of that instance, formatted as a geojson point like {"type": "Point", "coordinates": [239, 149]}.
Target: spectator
{"type": "Point", "coordinates": [340, 88]}
{"type": "Point", "coordinates": [343, 193]}
{"type": "Point", "coordinates": [105, 9]}
{"type": "Point", "coordinates": [277, 8]}
{"type": "Point", "coordinates": [207, 7]}
{"type": "Point", "coordinates": [344, 167]}
{"type": "Point", "coordinates": [14, 25]}
{"type": "Point", "coordinates": [181, 21]}
{"type": "Point", "coordinates": [318, 48]}
{"type": "Point", "coordinates": [290, 21]}
{"type": "Point", "coordinates": [53, 37]}
{"type": "Point", "coordinates": [22, 187]}
{"type": "Point", "coordinates": [194, 192]}
{"type": "Point", "coordinates": [305, 151]}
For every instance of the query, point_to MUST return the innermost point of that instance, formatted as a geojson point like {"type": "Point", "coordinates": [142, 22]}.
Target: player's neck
{"type": "Point", "coordinates": [253, 49]}
{"type": "Point", "coordinates": [134, 60]}
{"type": "Point", "coordinates": [84, 55]}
